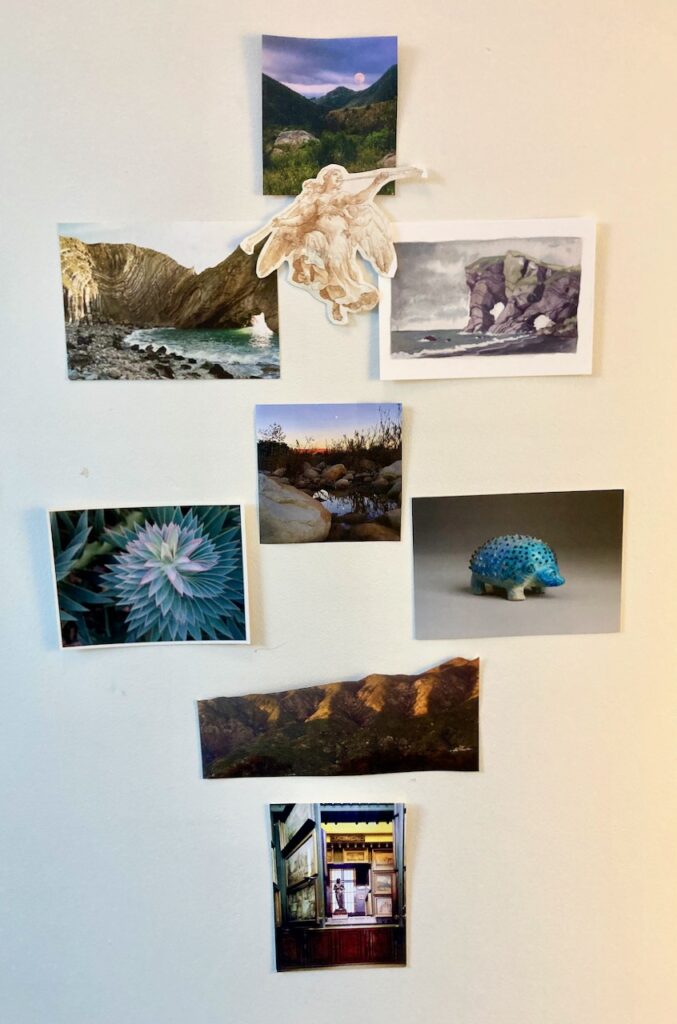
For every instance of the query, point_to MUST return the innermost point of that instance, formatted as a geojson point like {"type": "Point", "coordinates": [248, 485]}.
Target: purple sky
{"type": "Point", "coordinates": [315, 66]}
{"type": "Point", "coordinates": [324, 422]}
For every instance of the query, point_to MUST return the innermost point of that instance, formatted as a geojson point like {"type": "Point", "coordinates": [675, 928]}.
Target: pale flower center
{"type": "Point", "coordinates": [168, 550]}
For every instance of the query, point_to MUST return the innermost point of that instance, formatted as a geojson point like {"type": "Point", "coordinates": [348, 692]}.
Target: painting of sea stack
{"type": "Point", "coordinates": [427, 721]}
{"type": "Point", "coordinates": [480, 300]}
{"type": "Point", "coordinates": [174, 301]}
{"type": "Point", "coordinates": [329, 472]}
{"type": "Point", "coordinates": [327, 101]}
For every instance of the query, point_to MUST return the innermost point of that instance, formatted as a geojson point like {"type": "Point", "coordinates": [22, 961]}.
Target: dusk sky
{"type": "Point", "coordinates": [430, 291]}
{"type": "Point", "coordinates": [324, 423]}
{"type": "Point", "coordinates": [314, 67]}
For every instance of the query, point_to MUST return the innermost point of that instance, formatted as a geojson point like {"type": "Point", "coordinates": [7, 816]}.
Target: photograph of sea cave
{"type": "Point", "coordinates": [338, 876]}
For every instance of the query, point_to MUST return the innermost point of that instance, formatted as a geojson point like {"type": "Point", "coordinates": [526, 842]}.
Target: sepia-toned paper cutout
{"type": "Point", "coordinates": [323, 230]}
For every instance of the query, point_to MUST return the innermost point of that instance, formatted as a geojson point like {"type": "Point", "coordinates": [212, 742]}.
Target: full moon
{"type": "Point", "coordinates": [359, 77]}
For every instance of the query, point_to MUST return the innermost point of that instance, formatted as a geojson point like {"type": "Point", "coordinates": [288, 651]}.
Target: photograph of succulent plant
{"type": "Point", "coordinates": [168, 574]}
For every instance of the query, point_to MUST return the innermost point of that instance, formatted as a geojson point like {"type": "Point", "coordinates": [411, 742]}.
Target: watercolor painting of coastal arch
{"type": "Point", "coordinates": [489, 299]}
{"type": "Point", "coordinates": [172, 301]}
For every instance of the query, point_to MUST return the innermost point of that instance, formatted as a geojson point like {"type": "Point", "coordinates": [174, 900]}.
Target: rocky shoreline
{"type": "Point", "coordinates": [98, 352]}
{"type": "Point", "coordinates": [294, 512]}
{"type": "Point", "coordinates": [542, 344]}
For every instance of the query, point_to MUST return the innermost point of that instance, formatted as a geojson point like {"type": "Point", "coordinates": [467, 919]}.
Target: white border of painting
{"type": "Point", "coordinates": [532, 365]}
{"type": "Point", "coordinates": [152, 643]}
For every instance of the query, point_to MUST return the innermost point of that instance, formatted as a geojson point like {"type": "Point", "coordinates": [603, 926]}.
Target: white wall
{"type": "Point", "coordinates": [538, 889]}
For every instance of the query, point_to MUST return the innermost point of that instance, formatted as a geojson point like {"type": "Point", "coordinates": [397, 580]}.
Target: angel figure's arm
{"type": "Point", "coordinates": [298, 213]}
{"type": "Point", "coordinates": [294, 216]}
{"type": "Point", "coordinates": [367, 193]}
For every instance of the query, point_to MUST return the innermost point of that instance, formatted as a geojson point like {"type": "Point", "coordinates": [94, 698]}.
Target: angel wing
{"type": "Point", "coordinates": [274, 252]}
{"type": "Point", "coordinates": [370, 231]}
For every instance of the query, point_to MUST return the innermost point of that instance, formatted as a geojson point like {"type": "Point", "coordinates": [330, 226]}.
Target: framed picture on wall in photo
{"type": "Point", "coordinates": [383, 906]}
{"type": "Point", "coordinates": [296, 820]}
{"type": "Point", "coordinates": [382, 882]}
{"type": "Point", "coordinates": [489, 299]}
{"type": "Point", "coordinates": [381, 858]}
{"type": "Point", "coordinates": [161, 574]}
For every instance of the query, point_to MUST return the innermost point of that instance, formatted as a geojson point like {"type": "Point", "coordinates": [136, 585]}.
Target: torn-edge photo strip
{"type": "Point", "coordinates": [338, 884]}
{"type": "Point", "coordinates": [326, 101]}
{"type": "Point", "coordinates": [166, 301]}
{"type": "Point", "coordinates": [426, 721]}
{"type": "Point", "coordinates": [150, 575]}
{"type": "Point", "coordinates": [489, 299]}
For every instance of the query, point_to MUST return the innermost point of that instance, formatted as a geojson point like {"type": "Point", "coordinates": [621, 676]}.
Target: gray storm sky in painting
{"type": "Point", "coordinates": [429, 288]}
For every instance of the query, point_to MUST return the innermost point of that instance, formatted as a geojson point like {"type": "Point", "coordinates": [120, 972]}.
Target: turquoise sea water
{"type": "Point", "coordinates": [241, 352]}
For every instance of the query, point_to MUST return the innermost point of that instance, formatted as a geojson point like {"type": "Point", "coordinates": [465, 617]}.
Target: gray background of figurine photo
{"type": "Point", "coordinates": [584, 528]}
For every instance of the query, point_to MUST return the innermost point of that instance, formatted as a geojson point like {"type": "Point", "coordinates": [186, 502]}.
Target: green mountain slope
{"type": "Point", "coordinates": [362, 120]}
{"type": "Point", "coordinates": [285, 108]}
{"type": "Point", "coordinates": [338, 97]}
{"type": "Point", "coordinates": [384, 88]}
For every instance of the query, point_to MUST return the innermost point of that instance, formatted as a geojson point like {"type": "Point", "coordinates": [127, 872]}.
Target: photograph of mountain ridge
{"type": "Point", "coordinates": [327, 101]}
{"type": "Point", "coordinates": [427, 721]}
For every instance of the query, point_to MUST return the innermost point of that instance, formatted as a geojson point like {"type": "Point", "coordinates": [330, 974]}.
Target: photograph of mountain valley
{"type": "Point", "coordinates": [427, 721]}
{"type": "Point", "coordinates": [327, 101]}
{"type": "Point", "coordinates": [177, 301]}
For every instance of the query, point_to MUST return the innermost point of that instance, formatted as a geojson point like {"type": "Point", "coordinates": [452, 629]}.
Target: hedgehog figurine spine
{"type": "Point", "coordinates": [514, 563]}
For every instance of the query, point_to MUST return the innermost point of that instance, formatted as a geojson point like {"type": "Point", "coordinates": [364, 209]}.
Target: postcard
{"type": "Point", "coordinates": [329, 472]}
{"type": "Point", "coordinates": [489, 299]}
{"type": "Point", "coordinates": [168, 574]}
{"type": "Point", "coordinates": [331, 910]}
{"type": "Point", "coordinates": [178, 301]}
{"type": "Point", "coordinates": [327, 101]}
{"type": "Point", "coordinates": [517, 564]}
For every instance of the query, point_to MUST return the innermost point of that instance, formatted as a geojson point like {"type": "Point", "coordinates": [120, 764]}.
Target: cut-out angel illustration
{"type": "Point", "coordinates": [321, 233]}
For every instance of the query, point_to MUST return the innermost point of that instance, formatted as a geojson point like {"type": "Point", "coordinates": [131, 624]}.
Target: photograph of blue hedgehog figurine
{"type": "Point", "coordinates": [585, 528]}
{"type": "Point", "coordinates": [514, 563]}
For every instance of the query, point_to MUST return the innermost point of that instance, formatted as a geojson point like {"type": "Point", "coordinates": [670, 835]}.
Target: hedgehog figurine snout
{"type": "Point", "coordinates": [514, 563]}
